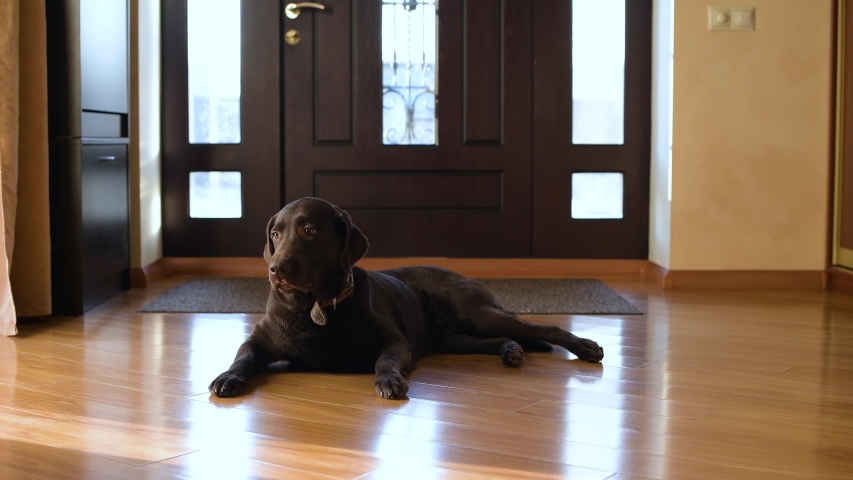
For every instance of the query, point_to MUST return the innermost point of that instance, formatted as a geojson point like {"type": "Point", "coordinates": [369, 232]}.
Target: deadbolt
{"type": "Point", "coordinates": [292, 37]}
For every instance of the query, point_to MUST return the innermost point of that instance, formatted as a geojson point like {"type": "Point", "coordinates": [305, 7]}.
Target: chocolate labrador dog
{"type": "Point", "coordinates": [325, 314]}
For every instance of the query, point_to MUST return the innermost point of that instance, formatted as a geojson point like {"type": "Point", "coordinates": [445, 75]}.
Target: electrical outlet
{"type": "Point", "coordinates": [731, 18]}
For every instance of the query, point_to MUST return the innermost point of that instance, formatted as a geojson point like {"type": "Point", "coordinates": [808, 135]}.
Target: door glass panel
{"type": "Point", "coordinates": [215, 195]}
{"type": "Point", "coordinates": [409, 85]}
{"type": "Point", "coordinates": [598, 72]}
{"type": "Point", "coordinates": [597, 195]}
{"type": "Point", "coordinates": [213, 68]}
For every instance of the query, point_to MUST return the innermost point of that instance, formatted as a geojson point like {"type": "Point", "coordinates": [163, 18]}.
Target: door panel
{"type": "Point", "coordinates": [482, 65]}
{"type": "Point", "coordinates": [377, 191]}
{"type": "Point", "coordinates": [556, 158]}
{"type": "Point", "coordinates": [469, 195]}
{"type": "Point", "coordinates": [334, 83]}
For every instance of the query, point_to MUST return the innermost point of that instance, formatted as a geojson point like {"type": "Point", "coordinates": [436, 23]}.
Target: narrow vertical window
{"type": "Point", "coordinates": [213, 67]}
{"type": "Point", "coordinates": [598, 72]}
{"type": "Point", "coordinates": [409, 85]}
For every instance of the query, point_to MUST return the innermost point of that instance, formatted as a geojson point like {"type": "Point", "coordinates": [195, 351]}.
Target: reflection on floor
{"type": "Point", "coordinates": [704, 385]}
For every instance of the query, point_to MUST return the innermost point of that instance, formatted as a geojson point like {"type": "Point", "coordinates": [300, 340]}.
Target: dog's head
{"type": "Point", "coordinates": [311, 247]}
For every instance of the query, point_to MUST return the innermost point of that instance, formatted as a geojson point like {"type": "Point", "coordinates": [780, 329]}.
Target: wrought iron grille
{"type": "Point", "coordinates": [409, 88]}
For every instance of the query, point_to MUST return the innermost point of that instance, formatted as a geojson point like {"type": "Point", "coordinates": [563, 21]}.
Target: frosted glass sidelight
{"type": "Point", "coordinates": [409, 76]}
{"type": "Point", "coordinates": [216, 195]}
{"type": "Point", "coordinates": [597, 195]}
{"type": "Point", "coordinates": [213, 69]}
{"type": "Point", "coordinates": [598, 72]}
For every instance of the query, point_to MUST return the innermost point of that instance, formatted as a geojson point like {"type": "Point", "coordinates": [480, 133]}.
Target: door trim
{"type": "Point", "coordinates": [838, 256]}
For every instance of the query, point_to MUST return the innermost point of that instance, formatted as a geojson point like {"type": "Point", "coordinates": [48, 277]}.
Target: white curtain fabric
{"type": "Point", "coordinates": [8, 154]}
{"type": "Point", "coordinates": [24, 201]}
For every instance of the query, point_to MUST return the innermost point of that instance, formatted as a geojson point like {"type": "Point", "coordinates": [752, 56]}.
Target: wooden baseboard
{"type": "Point", "coordinates": [745, 280]}
{"type": "Point", "coordinates": [472, 267]}
{"type": "Point", "coordinates": [528, 268]}
{"type": "Point", "coordinates": [519, 267]}
{"type": "Point", "coordinates": [656, 274]}
{"type": "Point", "coordinates": [145, 276]}
{"type": "Point", "coordinates": [217, 266]}
{"type": "Point", "coordinates": [840, 280]}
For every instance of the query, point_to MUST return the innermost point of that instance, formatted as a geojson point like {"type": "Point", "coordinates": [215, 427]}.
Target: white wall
{"type": "Point", "coordinates": [145, 158]}
{"type": "Point", "coordinates": [659, 202]}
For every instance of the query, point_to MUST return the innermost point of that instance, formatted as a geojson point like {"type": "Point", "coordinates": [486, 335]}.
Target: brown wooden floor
{"type": "Point", "coordinates": [716, 385]}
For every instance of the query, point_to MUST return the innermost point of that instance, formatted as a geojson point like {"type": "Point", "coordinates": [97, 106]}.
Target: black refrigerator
{"type": "Point", "coordinates": [88, 109]}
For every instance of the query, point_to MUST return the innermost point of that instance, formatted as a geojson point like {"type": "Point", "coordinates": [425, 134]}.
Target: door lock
{"type": "Point", "coordinates": [292, 37]}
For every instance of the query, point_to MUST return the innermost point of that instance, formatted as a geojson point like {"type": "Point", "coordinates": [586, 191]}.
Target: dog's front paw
{"type": "Point", "coordinates": [391, 386]}
{"type": "Point", "coordinates": [512, 354]}
{"type": "Point", "coordinates": [227, 385]}
{"type": "Point", "coordinates": [588, 350]}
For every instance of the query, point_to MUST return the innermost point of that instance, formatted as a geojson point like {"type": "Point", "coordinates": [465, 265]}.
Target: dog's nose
{"type": "Point", "coordinates": [284, 266]}
{"type": "Point", "coordinates": [279, 269]}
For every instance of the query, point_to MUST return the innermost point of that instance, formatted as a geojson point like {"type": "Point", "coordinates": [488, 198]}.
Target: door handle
{"type": "Point", "coordinates": [292, 10]}
{"type": "Point", "coordinates": [107, 158]}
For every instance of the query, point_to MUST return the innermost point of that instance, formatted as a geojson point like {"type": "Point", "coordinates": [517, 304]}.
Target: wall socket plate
{"type": "Point", "coordinates": [731, 18]}
{"type": "Point", "coordinates": [743, 18]}
{"type": "Point", "coordinates": [719, 18]}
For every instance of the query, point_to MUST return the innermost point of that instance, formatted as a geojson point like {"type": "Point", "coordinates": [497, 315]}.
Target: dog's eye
{"type": "Point", "coordinates": [274, 235]}
{"type": "Point", "coordinates": [310, 231]}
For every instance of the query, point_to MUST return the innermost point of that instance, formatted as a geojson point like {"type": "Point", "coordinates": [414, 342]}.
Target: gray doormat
{"type": "Point", "coordinates": [523, 295]}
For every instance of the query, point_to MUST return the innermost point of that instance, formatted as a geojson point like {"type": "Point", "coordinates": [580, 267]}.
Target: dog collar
{"type": "Point", "coordinates": [318, 316]}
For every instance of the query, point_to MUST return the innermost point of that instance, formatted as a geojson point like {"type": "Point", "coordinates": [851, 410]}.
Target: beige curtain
{"type": "Point", "coordinates": [25, 245]}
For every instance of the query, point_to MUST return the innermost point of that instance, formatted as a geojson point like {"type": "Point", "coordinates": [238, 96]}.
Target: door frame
{"type": "Point", "coordinates": [179, 157]}
{"type": "Point", "coordinates": [839, 256]}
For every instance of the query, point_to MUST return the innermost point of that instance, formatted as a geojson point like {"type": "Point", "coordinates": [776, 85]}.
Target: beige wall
{"type": "Point", "coordinates": [751, 139]}
{"type": "Point", "coordinates": [146, 224]}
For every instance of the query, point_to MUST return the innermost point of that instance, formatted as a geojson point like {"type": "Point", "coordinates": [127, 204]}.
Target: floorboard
{"type": "Point", "coordinates": [704, 384]}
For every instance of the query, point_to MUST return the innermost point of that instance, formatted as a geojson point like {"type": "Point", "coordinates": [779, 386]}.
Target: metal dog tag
{"type": "Point", "coordinates": [318, 316]}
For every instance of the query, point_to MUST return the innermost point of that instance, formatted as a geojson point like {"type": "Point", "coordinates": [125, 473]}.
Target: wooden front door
{"type": "Point", "coordinates": [441, 127]}
{"type": "Point", "coordinates": [426, 143]}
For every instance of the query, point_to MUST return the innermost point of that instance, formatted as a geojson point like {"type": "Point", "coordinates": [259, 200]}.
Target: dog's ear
{"type": "Point", "coordinates": [269, 248]}
{"type": "Point", "coordinates": [354, 242]}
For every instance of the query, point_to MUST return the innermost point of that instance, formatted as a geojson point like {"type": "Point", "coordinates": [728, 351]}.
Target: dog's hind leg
{"type": "Point", "coordinates": [496, 322]}
{"type": "Point", "coordinates": [511, 352]}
